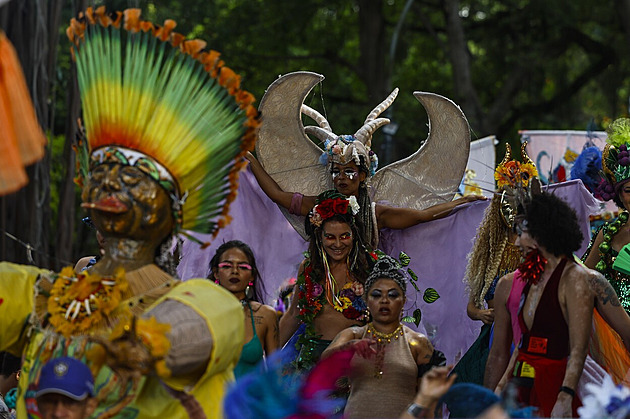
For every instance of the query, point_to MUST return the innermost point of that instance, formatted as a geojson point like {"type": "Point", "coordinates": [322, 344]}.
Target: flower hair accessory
{"type": "Point", "coordinates": [513, 173]}
{"type": "Point", "coordinates": [334, 205]}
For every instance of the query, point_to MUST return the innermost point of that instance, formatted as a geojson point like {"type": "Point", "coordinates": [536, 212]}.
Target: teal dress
{"type": "Point", "coordinates": [252, 352]}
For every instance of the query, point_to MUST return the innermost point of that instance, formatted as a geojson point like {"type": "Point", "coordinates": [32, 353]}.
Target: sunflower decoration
{"type": "Point", "coordinates": [81, 304]}
{"type": "Point", "coordinates": [513, 173]}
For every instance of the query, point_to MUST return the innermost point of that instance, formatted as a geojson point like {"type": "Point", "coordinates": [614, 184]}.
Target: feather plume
{"type": "Point", "coordinates": [274, 393]}
{"type": "Point", "coordinates": [147, 88]}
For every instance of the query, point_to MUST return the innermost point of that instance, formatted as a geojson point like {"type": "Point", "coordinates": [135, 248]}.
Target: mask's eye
{"type": "Point", "coordinates": [244, 267]}
{"type": "Point", "coordinates": [335, 173]}
{"type": "Point", "coordinates": [375, 294]}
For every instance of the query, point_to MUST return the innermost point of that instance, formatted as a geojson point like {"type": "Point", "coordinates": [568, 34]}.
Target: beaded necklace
{"type": "Point", "coordinates": [382, 340]}
{"type": "Point", "coordinates": [609, 231]}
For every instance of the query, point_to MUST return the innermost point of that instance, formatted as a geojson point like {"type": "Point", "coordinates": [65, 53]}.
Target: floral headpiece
{"type": "Point", "coordinates": [334, 205]}
{"type": "Point", "coordinates": [154, 99]}
{"type": "Point", "coordinates": [343, 149]}
{"type": "Point", "coordinates": [513, 176]}
{"type": "Point", "coordinates": [616, 158]}
{"type": "Point", "coordinates": [513, 173]}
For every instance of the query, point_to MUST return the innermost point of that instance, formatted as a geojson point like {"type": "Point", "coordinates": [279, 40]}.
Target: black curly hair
{"type": "Point", "coordinates": [553, 224]}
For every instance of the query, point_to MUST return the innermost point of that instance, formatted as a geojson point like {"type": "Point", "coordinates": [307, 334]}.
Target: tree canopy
{"type": "Point", "coordinates": [509, 64]}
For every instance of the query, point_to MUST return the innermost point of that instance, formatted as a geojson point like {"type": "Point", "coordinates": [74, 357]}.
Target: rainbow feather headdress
{"type": "Point", "coordinates": [154, 99]}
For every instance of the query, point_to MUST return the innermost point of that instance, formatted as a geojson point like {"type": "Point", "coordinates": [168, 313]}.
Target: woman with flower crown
{"type": "Point", "coordinates": [389, 358]}
{"type": "Point", "coordinates": [329, 295]}
{"type": "Point", "coordinates": [154, 106]}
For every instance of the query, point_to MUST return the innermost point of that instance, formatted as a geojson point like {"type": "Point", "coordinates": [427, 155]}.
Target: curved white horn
{"type": "Point", "coordinates": [364, 134]}
{"type": "Point", "coordinates": [382, 106]}
{"type": "Point", "coordinates": [320, 133]}
{"type": "Point", "coordinates": [316, 116]}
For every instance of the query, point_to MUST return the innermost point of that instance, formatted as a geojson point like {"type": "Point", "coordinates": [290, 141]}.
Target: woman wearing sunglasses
{"type": "Point", "coordinates": [234, 268]}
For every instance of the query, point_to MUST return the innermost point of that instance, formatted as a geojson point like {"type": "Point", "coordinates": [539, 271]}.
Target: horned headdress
{"type": "Point", "coordinates": [346, 148]}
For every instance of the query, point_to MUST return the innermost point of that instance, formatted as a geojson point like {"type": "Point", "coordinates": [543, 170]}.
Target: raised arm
{"type": "Point", "coordinates": [273, 190]}
{"type": "Point", "coordinates": [499, 355]}
{"type": "Point", "coordinates": [399, 218]}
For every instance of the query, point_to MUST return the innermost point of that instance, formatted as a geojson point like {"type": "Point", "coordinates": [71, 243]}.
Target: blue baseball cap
{"type": "Point", "coordinates": [67, 376]}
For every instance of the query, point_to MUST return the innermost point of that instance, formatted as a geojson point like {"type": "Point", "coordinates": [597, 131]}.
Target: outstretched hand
{"type": "Point", "coordinates": [365, 348]}
{"type": "Point", "coordinates": [434, 384]}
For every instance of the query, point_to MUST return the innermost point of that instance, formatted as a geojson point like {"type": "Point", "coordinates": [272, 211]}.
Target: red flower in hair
{"type": "Point", "coordinates": [329, 207]}
{"type": "Point", "coordinates": [341, 206]}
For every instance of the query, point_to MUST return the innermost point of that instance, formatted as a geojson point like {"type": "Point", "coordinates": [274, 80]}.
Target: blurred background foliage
{"type": "Point", "coordinates": [509, 64]}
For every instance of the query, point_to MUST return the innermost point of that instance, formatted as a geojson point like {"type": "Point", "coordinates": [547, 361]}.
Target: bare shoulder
{"type": "Point", "coordinates": [418, 339]}
{"type": "Point", "coordinates": [603, 292]}
{"type": "Point", "coordinates": [578, 278]}
{"type": "Point", "coordinates": [263, 309]}
{"type": "Point", "coordinates": [504, 285]}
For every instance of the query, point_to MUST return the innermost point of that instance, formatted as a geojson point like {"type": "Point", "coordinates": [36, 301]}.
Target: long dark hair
{"type": "Point", "coordinates": [237, 244]}
{"type": "Point", "coordinates": [358, 263]}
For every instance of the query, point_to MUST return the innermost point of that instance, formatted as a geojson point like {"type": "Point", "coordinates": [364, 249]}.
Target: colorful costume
{"type": "Point", "coordinates": [160, 116]}
{"type": "Point", "coordinates": [316, 294]}
{"type": "Point", "coordinates": [543, 350]}
{"type": "Point", "coordinates": [619, 281]}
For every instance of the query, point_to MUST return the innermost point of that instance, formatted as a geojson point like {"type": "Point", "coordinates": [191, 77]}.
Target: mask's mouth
{"type": "Point", "coordinates": [108, 204]}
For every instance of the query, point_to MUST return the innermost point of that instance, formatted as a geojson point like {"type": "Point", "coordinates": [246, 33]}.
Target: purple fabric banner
{"type": "Point", "coordinates": [438, 251]}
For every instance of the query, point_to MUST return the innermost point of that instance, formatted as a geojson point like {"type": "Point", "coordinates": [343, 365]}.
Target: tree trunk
{"type": "Point", "coordinates": [466, 95]}
{"type": "Point", "coordinates": [32, 27]}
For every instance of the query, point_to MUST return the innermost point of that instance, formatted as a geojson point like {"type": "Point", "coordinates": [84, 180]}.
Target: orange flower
{"type": "Point", "coordinates": [165, 31]}
{"type": "Point", "coordinates": [193, 47]}
{"type": "Point", "coordinates": [132, 19]}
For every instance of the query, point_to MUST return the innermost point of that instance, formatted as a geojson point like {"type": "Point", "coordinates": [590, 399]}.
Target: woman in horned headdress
{"type": "Point", "coordinates": [156, 107]}
{"type": "Point", "coordinates": [350, 162]}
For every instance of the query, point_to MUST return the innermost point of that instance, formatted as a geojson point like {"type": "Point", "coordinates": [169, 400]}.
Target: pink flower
{"type": "Point", "coordinates": [317, 289]}
{"type": "Point", "coordinates": [336, 149]}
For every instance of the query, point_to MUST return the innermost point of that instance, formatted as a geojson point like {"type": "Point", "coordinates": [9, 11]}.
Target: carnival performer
{"type": "Point", "coordinates": [614, 235]}
{"type": "Point", "coordinates": [492, 256]}
{"type": "Point", "coordinates": [351, 162]}
{"type": "Point", "coordinates": [234, 268]}
{"type": "Point", "coordinates": [390, 357]}
{"type": "Point", "coordinates": [154, 120]}
{"type": "Point", "coordinates": [330, 280]}
{"type": "Point", "coordinates": [556, 309]}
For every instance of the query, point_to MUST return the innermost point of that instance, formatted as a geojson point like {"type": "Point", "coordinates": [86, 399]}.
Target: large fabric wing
{"type": "Point", "coordinates": [432, 174]}
{"type": "Point", "coordinates": [283, 148]}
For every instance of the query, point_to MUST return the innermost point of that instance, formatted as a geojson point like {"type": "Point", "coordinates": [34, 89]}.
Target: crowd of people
{"type": "Point", "coordinates": [167, 131]}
